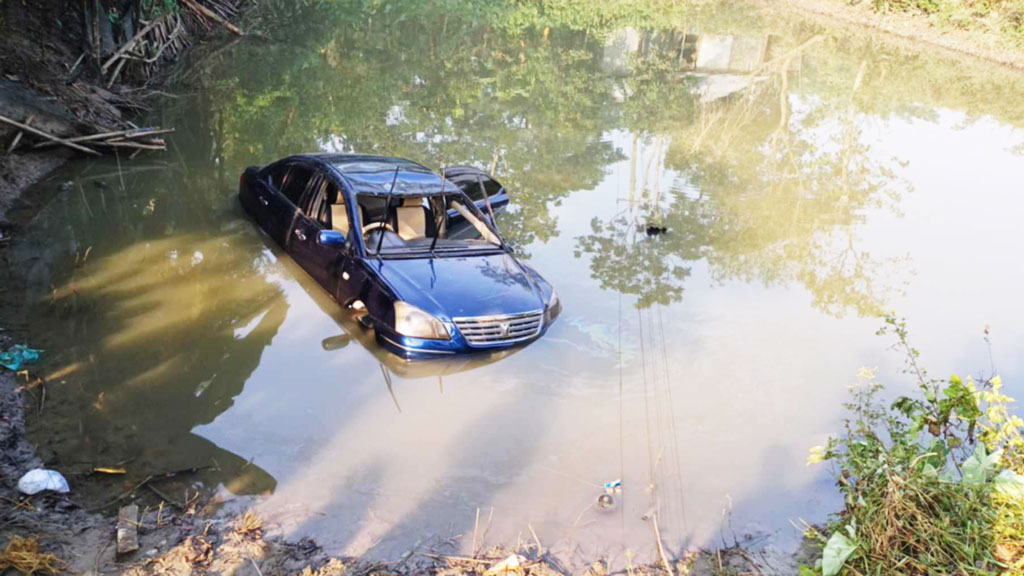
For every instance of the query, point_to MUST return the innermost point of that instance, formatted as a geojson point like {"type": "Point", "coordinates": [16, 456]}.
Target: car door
{"type": "Point", "coordinates": [324, 263]}
{"type": "Point", "coordinates": [276, 192]}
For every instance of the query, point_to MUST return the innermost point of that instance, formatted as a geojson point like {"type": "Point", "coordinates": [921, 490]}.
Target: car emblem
{"type": "Point", "coordinates": [504, 326]}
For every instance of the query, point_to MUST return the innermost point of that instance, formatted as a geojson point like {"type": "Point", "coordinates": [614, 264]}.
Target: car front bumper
{"type": "Point", "coordinates": [422, 348]}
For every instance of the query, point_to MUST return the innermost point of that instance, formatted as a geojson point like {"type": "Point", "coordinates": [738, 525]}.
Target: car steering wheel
{"type": "Point", "coordinates": [377, 225]}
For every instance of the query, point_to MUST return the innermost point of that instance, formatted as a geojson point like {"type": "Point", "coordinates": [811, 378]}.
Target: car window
{"type": "Point", "coordinates": [277, 175]}
{"type": "Point", "coordinates": [471, 186]}
{"type": "Point", "coordinates": [314, 202]}
{"type": "Point", "coordinates": [295, 183]}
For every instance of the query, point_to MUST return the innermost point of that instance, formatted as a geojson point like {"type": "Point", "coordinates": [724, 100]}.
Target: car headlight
{"type": "Point", "coordinates": [553, 308]}
{"type": "Point", "coordinates": [411, 321]}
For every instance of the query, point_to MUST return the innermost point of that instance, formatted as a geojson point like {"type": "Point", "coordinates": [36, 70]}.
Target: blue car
{"type": "Point", "coordinates": [414, 255]}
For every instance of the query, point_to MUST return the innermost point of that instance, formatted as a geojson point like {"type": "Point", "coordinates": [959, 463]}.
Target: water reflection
{"type": "Point", "coordinates": [806, 181]}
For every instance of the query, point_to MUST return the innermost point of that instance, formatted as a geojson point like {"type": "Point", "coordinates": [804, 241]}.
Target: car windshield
{"type": "Point", "coordinates": [407, 226]}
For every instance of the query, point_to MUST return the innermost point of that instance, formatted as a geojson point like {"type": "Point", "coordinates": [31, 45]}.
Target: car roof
{"type": "Point", "coordinates": [370, 174]}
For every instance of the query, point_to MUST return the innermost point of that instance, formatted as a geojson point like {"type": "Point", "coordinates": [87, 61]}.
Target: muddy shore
{"type": "Point", "coordinates": [200, 538]}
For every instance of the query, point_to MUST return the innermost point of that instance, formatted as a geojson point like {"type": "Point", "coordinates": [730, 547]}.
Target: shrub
{"type": "Point", "coordinates": [930, 482]}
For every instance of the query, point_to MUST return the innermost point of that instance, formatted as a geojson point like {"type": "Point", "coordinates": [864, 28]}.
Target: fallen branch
{"type": "Point", "coordinates": [60, 141]}
{"type": "Point", "coordinates": [213, 16]}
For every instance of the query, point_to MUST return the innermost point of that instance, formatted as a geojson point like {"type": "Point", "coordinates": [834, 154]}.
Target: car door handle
{"type": "Point", "coordinates": [300, 235]}
{"type": "Point", "coordinates": [264, 201]}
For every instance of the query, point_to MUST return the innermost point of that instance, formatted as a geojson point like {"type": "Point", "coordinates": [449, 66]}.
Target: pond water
{"type": "Point", "coordinates": [809, 178]}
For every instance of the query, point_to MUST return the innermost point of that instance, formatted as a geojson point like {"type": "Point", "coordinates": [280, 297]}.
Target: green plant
{"type": "Point", "coordinates": [919, 477]}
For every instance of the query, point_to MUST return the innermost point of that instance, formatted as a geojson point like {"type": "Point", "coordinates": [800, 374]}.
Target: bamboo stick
{"type": "Point", "coordinates": [132, 145]}
{"type": "Point", "coordinates": [48, 136]}
{"type": "Point", "coordinates": [131, 133]}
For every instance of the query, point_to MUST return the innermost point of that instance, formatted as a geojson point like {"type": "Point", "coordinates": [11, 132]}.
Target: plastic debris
{"type": "Point", "coordinates": [17, 356]}
{"type": "Point", "coordinates": [40, 479]}
{"type": "Point", "coordinates": [613, 487]}
{"type": "Point", "coordinates": [513, 563]}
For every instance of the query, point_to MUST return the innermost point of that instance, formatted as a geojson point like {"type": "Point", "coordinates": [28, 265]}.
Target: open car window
{"type": "Point", "coordinates": [425, 225]}
{"type": "Point", "coordinates": [296, 182]}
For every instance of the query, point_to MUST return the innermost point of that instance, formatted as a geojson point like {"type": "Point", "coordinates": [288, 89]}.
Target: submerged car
{"type": "Point", "coordinates": [411, 252]}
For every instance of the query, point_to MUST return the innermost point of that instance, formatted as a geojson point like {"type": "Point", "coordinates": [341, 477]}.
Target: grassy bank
{"type": "Point", "coordinates": [1001, 17]}
{"type": "Point", "coordinates": [932, 482]}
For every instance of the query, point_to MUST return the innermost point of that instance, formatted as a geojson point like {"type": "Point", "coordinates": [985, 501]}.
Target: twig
{"type": "Point", "coordinates": [164, 497]}
{"type": "Point", "coordinates": [117, 71]}
{"type": "Point", "coordinates": [127, 45]}
{"type": "Point", "coordinates": [476, 524]}
{"type": "Point", "coordinates": [661, 548]}
{"type": "Point", "coordinates": [133, 145]}
{"type": "Point", "coordinates": [75, 66]}
{"type": "Point", "coordinates": [540, 549]}
{"type": "Point", "coordinates": [17, 137]}
{"type": "Point", "coordinates": [455, 558]}
{"type": "Point", "coordinates": [213, 16]}
{"type": "Point", "coordinates": [61, 141]}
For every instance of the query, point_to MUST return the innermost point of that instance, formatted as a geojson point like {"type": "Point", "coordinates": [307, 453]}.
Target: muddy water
{"type": "Point", "coordinates": [809, 179]}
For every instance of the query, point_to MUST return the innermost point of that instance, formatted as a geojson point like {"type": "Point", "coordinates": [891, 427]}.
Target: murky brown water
{"type": "Point", "coordinates": [809, 177]}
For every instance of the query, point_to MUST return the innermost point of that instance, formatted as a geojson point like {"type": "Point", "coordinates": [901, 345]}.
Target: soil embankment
{"type": "Point", "coordinates": [914, 28]}
{"type": "Point", "coordinates": [76, 78]}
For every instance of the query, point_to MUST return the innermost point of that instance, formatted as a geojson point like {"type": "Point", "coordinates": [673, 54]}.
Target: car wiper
{"type": "Point", "coordinates": [487, 202]}
{"type": "Point", "coordinates": [437, 231]}
{"type": "Point", "coordinates": [387, 212]}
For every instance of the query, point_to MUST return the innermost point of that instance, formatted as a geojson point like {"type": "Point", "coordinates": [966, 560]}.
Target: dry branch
{"type": "Point", "coordinates": [127, 45]}
{"type": "Point", "coordinates": [213, 16]}
{"type": "Point", "coordinates": [60, 141]}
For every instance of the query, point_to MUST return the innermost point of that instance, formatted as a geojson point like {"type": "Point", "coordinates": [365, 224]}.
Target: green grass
{"type": "Point", "coordinates": [1004, 18]}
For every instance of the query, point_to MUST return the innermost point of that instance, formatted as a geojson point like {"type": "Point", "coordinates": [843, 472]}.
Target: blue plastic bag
{"type": "Point", "coordinates": [17, 356]}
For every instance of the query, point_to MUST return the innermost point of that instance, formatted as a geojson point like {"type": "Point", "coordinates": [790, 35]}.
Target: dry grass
{"type": "Point", "coordinates": [23, 555]}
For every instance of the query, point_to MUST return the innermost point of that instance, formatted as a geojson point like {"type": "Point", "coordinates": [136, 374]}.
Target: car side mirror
{"type": "Point", "coordinates": [331, 238]}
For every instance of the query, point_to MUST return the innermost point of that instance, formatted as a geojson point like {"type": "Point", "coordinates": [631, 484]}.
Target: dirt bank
{"type": "Point", "coordinates": [914, 28]}
{"type": "Point", "coordinates": [80, 69]}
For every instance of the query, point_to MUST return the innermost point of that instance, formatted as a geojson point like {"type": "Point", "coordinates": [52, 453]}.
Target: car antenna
{"type": "Point", "coordinates": [387, 210]}
{"type": "Point", "coordinates": [437, 230]}
{"type": "Point", "coordinates": [487, 202]}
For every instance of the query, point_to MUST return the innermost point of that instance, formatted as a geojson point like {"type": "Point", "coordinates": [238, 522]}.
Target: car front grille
{"type": "Point", "coordinates": [501, 329]}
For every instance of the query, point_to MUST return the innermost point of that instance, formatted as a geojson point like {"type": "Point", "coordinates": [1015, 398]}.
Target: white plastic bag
{"type": "Point", "coordinates": [38, 480]}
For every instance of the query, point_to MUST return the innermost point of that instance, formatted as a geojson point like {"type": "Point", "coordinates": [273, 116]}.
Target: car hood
{"type": "Point", "coordinates": [464, 286]}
